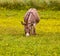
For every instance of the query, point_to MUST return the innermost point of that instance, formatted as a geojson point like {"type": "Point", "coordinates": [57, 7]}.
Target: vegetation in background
{"type": "Point", "coordinates": [26, 4]}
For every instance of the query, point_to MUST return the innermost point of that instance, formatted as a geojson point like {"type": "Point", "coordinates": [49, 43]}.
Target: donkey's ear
{"type": "Point", "coordinates": [23, 23]}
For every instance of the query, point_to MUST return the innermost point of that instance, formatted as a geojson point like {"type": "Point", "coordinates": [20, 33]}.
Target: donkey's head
{"type": "Point", "coordinates": [27, 28]}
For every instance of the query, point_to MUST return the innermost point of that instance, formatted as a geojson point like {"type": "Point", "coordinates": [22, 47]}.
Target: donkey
{"type": "Point", "coordinates": [31, 18]}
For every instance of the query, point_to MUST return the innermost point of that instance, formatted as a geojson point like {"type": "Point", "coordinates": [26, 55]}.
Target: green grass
{"type": "Point", "coordinates": [13, 41]}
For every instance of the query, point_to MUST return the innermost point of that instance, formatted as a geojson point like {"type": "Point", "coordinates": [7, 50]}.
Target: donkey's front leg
{"type": "Point", "coordinates": [33, 30]}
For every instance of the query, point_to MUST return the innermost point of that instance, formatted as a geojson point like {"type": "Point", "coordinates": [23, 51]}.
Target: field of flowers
{"type": "Point", "coordinates": [13, 41]}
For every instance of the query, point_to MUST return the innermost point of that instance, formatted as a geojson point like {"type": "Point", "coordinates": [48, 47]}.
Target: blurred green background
{"type": "Point", "coordinates": [26, 4]}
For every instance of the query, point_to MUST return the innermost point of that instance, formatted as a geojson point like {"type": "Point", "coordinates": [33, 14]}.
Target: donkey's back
{"type": "Point", "coordinates": [32, 16]}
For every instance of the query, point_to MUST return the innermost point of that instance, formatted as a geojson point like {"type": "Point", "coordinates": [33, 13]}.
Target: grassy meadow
{"type": "Point", "coordinates": [13, 41]}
